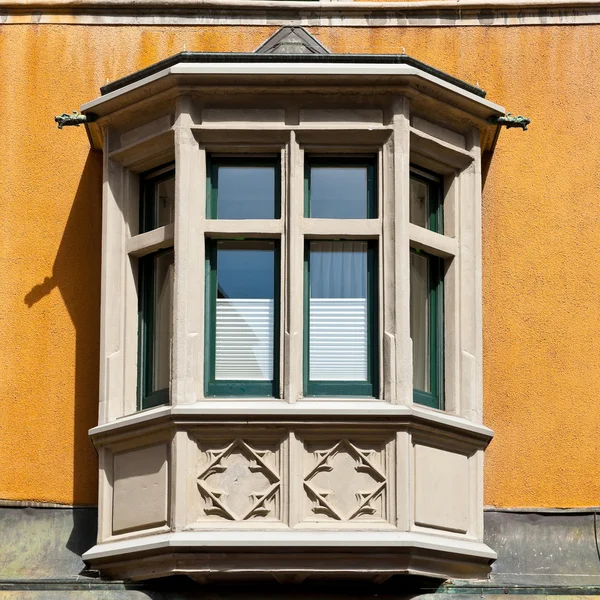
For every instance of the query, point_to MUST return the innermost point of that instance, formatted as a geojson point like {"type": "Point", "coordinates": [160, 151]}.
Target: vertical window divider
{"type": "Point", "coordinates": [295, 320]}
{"type": "Point", "coordinates": [400, 118]}
{"type": "Point", "coordinates": [283, 262]}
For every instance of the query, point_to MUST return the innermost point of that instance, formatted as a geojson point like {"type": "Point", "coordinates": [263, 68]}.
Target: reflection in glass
{"type": "Point", "coordinates": [245, 192]}
{"type": "Point", "coordinates": [163, 320]}
{"type": "Point", "coordinates": [338, 311]}
{"type": "Point", "coordinates": [419, 320]}
{"type": "Point", "coordinates": [245, 311]}
{"type": "Point", "coordinates": [165, 202]}
{"type": "Point", "coordinates": [419, 203]}
{"type": "Point", "coordinates": [339, 192]}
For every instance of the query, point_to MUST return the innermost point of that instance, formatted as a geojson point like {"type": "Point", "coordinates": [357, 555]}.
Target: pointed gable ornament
{"type": "Point", "coordinates": [292, 40]}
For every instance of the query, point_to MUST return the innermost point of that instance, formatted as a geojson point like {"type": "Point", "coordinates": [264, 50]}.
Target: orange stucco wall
{"type": "Point", "coordinates": [541, 226]}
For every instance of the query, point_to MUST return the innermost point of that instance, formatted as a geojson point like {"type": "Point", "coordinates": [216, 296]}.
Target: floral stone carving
{"type": "Point", "coordinates": [346, 483]}
{"type": "Point", "coordinates": [239, 482]}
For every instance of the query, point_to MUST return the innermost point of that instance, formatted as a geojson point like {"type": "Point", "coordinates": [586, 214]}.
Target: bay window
{"type": "Point", "coordinates": [291, 320]}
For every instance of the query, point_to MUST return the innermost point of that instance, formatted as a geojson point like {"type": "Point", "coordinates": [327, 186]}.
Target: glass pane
{"type": "Point", "coordinates": [163, 320]}
{"type": "Point", "coordinates": [245, 311]}
{"type": "Point", "coordinates": [245, 192]}
{"type": "Point", "coordinates": [419, 320]}
{"type": "Point", "coordinates": [339, 192]}
{"type": "Point", "coordinates": [165, 202]}
{"type": "Point", "coordinates": [419, 203]}
{"type": "Point", "coordinates": [338, 311]}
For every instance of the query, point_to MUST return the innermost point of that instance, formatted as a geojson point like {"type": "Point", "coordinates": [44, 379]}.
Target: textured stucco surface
{"type": "Point", "coordinates": [541, 282]}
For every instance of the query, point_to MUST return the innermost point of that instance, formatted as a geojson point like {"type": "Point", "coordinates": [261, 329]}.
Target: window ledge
{"type": "Point", "coordinates": [277, 409]}
{"type": "Point", "coordinates": [250, 554]}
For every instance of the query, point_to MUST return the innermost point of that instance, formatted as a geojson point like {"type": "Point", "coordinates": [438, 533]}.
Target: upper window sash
{"type": "Point", "coordinates": [340, 187]}
{"type": "Point", "coordinates": [157, 198]}
{"type": "Point", "coordinates": [426, 205]}
{"type": "Point", "coordinates": [243, 187]}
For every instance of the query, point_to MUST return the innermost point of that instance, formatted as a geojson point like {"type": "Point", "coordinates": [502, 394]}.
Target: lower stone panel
{"type": "Point", "coordinates": [366, 498]}
{"type": "Point", "coordinates": [322, 477]}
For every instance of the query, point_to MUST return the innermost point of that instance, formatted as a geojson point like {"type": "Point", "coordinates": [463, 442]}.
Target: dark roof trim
{"type": "Point", "coordinates": [239, 57]}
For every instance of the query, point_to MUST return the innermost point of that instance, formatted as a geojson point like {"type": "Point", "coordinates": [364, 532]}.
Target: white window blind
{"type": "Point", "coordinates": [244, 339]}
{"type": "Point", "coordinates": [338, 339]}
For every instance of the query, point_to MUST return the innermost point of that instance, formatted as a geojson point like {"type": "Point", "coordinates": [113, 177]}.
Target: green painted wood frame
{"type": "Point", "coordinates": [148, 183]}
{"type": "Point", "coordinates": [344, 161]}
{"type": "Point", "coordinates": [212, 178]}
{"type": "Point", "coordinates": [369, 388]}
{"type": "Point", "coordinates": [212, 387]}
{"type": "Point", "coordinates": [435, 222]}
{"type": "Point", "coordinates": [148, 398]}
{"type": "Point", "coordinates": [435, 216]}
{"type": "Point", "coordinates": [435, 397]}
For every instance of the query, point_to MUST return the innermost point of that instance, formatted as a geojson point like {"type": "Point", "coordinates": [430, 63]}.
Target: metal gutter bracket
{"type": "Point", "coordinates": [74, 119]}
{"type": "Point", "coordinates": [508, 121]}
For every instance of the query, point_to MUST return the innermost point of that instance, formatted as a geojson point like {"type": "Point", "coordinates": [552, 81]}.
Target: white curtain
{"type": "Point", "coordinates": [419, 309]}
{"type": "Point", "coordinates": [163, 320]}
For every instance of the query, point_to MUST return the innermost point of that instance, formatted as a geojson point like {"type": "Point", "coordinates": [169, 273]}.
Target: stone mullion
{"type": "Point", "coordinates": [188, 297]}
{"type": "Point", "coordinates": [398, 290]}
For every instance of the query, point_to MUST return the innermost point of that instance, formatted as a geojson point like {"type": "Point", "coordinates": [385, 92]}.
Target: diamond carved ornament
{"type": "Point", "coordinates": [239, 483]}
{"type": "Point", "coordinates": [345, 483]}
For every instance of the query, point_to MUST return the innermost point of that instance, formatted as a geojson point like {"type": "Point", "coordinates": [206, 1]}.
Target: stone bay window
{"type": "Point", "coordinates": [291, 319]}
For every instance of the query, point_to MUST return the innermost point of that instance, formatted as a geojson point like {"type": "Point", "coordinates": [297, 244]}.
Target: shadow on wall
{"type": "Point", "coordinates": [76, 274]}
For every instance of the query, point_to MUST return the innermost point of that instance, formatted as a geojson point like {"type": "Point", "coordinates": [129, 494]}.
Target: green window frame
{"type": "Point", "coordinates": [369, 388]}
{"type": "Point", "coordinates": [148, 184]}
{"type": "Point", "coordinates": [435, 292]}
{"type": "Point", "coordinates": [213, 387]}
{"type": "Point", "coordinates": [148, 398]}
{"type": "Point", "coordinates": [343, 161]}
{"type": "Point", "coordinates": [435, 327]}
{"type": "Point", "coordinates": [435, 215]}
{"type": "Point", "coordinates": [212, 178]}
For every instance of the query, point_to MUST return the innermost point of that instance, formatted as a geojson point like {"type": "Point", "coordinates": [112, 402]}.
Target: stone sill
{"type": "Point", "coordinates": [210, 555]}
{"type": "Point", "coordinates": [280, 411]}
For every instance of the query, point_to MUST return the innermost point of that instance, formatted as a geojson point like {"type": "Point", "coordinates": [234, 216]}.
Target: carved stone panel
{"type": "Point", "coordinates": [346, 481]}
{"type": "Point", "coordinates": [238, 480]}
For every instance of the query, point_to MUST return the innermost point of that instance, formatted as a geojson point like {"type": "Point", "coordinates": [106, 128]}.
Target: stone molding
{"type": "Point", "coordinates": [319, 13]}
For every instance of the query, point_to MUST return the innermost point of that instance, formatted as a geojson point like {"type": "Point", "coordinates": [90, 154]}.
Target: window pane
{"type": "Point", "coordinates": [338, 311]}
{"type": "Point", "coordinates": [245, 191]}
{"type": "Point", "coordinates": [419, 320]}
{"type": "Point", "coordinates": [165, 202]}
{"type": "Point", "coordinates": [163, 320]}
{"type": "Point", "coordinates": [245, 311]}
{"type": "Point", "coordinates": [419, 202]}
{"type": "Point", "coordinates": [158, 201]}
{"type": "Point", "coordinates": [339, 192]}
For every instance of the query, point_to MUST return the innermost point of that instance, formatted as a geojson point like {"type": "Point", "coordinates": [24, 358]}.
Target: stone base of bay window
{"type": "Point", "coordinates": [290, 557]}
{"type": "Point", "coordinates": [383, 490]}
